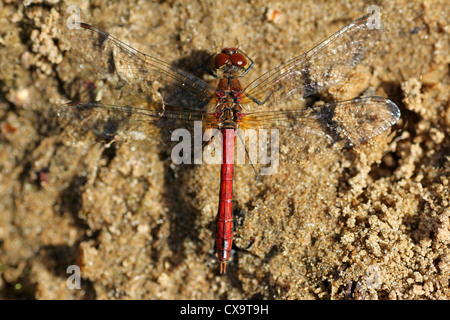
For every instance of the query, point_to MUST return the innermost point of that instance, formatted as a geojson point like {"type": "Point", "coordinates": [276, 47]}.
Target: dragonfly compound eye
{"type": "Point", "coordinates": [238, 59]}
{"type": "Point", "coordinates": [220, 59]}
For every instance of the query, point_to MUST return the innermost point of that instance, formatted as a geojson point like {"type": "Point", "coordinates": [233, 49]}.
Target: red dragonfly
{"type": "Point", "coordinates": [160, 97]}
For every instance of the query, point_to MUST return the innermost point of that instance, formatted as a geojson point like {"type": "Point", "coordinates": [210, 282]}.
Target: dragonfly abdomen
{"type": "Point", "coordinates": [224, 233]}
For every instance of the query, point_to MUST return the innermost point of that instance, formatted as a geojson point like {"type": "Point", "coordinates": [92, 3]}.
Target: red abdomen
{"type": "Point", "coordinates": [224, 233]}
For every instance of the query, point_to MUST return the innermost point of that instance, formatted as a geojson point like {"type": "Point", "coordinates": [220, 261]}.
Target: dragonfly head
{"type": "Point", "coordinates": [230, 62]}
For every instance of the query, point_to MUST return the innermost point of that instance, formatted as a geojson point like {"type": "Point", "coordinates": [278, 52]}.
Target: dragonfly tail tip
{"type": "Point", "coordinates": [223, 267]}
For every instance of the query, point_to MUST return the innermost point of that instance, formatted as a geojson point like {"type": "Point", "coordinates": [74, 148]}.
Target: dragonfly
{"type": "Point", "coordinates": [158, 97]}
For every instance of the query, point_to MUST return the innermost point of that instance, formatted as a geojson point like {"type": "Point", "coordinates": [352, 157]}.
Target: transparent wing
{"type": "Point", "coordinates": [330, 127]}
{"type": "Point", "coordinates": [134, 72]}
{"type": "Point", "coordinates": [129, 123]}
{"type": "Point", "coordinates": [313, 72]}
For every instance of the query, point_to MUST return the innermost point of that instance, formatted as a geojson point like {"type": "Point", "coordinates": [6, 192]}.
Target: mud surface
{"type": "Point", "coordinates": [368, 223]}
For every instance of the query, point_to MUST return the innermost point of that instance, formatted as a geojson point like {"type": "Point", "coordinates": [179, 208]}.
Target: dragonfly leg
{"type": "Point", "coordinates": [207, 143]}
{"type": "Point", "coordinates": [257, 101]}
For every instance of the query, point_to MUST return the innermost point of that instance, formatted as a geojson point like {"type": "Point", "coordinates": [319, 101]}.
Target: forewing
{"type": "Point", "coordinates": [134, 72]}
{"type": "Point", "coordinates": [313, 72]}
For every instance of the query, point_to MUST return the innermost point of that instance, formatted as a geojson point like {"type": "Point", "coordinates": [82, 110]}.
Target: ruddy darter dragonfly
{"type": "Point", "coordinates": [160, 97]}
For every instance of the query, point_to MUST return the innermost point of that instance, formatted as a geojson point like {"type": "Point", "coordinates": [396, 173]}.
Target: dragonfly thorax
{"type": "Point", "coordinates": [229, 90]}
{"type": "Point", "coordinates": [228, 117]}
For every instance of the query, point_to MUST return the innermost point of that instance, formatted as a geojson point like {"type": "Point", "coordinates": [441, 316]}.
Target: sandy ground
{"type": "Point", "coordinates": [368, 223]}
